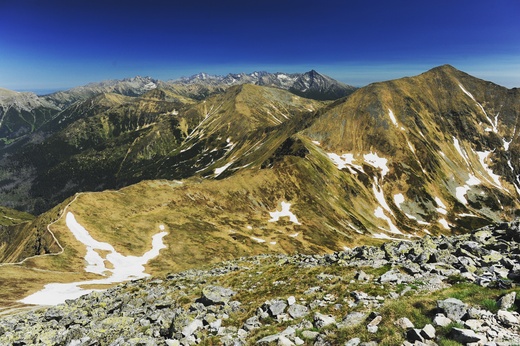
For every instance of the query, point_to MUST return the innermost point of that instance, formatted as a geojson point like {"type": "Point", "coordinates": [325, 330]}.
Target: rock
{"type": "Point", "coordinates": [404, 323]}
{"type": "Point", "coordinates": [361, 276]}
{"type": "Point", "coordinates": [428, 332]}
{"type": "Point", "coordinates": [291, 300]}
{"type": "Point", "coordinates": [297, 311]}
{"type": "Point", "coordinates": [216, 295]}
{"type": "Point", "coordinates": [475, 325]}
{"type": "Point", "coordinates": [252, 323]}
{"type": "Point", "coordinates": [191, 327]}
{"type": "Point", "coordinates": [414, 335]}
{"type": "Point", "coordinates": [284, 341]}
{"type": "Point", "coordinates": [453, 308]}
{"type": "Point", "coordinates": [372, 327]}
{"type": "Point", "coordinates": [277, 307]}
{"type": "Point", "coordinates": [353, 342]}
{"type": "Point", "coordinates": [310, 335]}
{"type": "Point", "coordinates": [395, 276]}
{"type": "Point", "coordinates": [321, 320]}
{"type": "Point", "coordinates": [507, 318]}
{"type": "Point", "coordinates": [465, 336]}
{"type": "Point", "coordinates": [507, 301]}
{"type": "Point", "coordinates": [353, 319]}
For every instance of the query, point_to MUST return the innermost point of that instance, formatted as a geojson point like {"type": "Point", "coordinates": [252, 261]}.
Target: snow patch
{"type": "Point", "coordinates": [444, 223]}
{"type": "Point", "coordinates": [124, 267]}
{"type": "Point", "coordinates": [392, 117]}
{"type": "Point", "coordinates": [317, 143]}
{"type": "Point", "coordinates": [378, 162]}
{"type": "Point", "coordinates": [482, 155]}
{"type": "Point", "coordinates": [258, 240]}
{"type": "Point", "coordinates": [220, 170]}
{"type": "Point", "coordinates": [294, 235]}
{"type": "Point", "coordinates": [276, 215]}
{"type": "Point", "coordinates": [345, 161]}
{"type": "Point", "coordinates": [459, 149]}
{"type": "Point", "coordinates": [381, 214]}
{"type": "Point", "coordinates": [399, 199]}
{"type": "Point", "coordinates": [461, 191]}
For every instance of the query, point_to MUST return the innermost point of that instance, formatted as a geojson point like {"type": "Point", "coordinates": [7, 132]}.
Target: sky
{"type": "Point", "coordinates": [56, 44]}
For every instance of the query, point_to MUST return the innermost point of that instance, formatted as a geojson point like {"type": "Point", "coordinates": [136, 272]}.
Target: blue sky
{"type": "Point", "coordinates": [47, 45]}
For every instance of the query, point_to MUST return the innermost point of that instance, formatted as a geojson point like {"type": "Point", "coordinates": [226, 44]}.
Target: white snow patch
{"type": "Point", "coordinates": [380, 197]}
{"type": "Point", "coordinates": [249, 227]}
{"type": "Point", "coordinates": [317, 143]}
{"type": "Point", "coordinates": [444, 223]}
{"type": "Point", "coordinates": [220, 170]}
{"type": "Point", "coordinates": [276, 215]}
{"type": "Point", "coordinates": [378, 162]}
{"type": "Point", "coordinates": [294, 235]}
{"type": "Point", "coordinates": [459, 149]}
{"type": "Point", "coordinates": [440, 203]}
{"type": "Point", "coordinates": [467, 215]}
{"type": "Point", "coordinates": [493, 124]}
{"type": "Point", "coordinates": [124, 267]}
{"type": "Point", "coordinates": [272, 242]}
{"type": "Point", "coordinates": [384, 236]}
{"type": "Point", "coordinates": [345, 160]}
{"type": "Point", "coordinates": [381, 214]}
{"type": "Point", "coordinates": [482, 155]}
{"type": "Point", "coordinates": [392, 117]}
{"type": "Point", "coordinates": [259, 240]}
{"type": "Point", "coordinates": [399, 199]}
{"type": "Point", "coordinates": [161, 227]}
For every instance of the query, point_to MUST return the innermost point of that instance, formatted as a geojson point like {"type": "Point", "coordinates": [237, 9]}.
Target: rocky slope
{"type": "Point", "coordinates": [456, 290]}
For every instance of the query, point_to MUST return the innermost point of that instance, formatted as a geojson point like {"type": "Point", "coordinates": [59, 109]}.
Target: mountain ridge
{"type": "Point", "coordinates": [427, 155]}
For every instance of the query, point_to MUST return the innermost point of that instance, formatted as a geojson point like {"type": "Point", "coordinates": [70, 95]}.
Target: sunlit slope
{"type": "Point", "coordinates": [449, 142]}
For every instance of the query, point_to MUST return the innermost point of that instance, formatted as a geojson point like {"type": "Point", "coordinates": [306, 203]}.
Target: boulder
{"type": "Point", "coordinates": [404, 323]}
{"type": "Point", "coordinates": [216, 295]}
{"type": "Point", "coordinates": [297, 311]}
{"type": "Point", "coordinates": [321, 320]}
{"type": "Point", "coordinates": [465, 336]}
{"type": "Point", "coordinates": [453, 308]}
{"type": "Point", "coordinates": [507, 301]}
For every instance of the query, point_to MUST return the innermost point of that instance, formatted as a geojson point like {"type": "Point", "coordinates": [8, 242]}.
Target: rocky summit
{"type": "Point", "coordinates": [457, 290]}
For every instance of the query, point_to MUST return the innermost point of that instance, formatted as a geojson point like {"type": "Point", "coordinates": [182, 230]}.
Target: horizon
{"type": "Point", "coordinates": [58, 45]}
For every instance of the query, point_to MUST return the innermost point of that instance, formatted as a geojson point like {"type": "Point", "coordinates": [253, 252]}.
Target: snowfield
{"type": "Point", "coordinates": [124, 268]}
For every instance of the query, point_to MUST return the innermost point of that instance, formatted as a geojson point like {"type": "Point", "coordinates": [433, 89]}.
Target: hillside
{"type": "Point", "coordinates": [256, 170]}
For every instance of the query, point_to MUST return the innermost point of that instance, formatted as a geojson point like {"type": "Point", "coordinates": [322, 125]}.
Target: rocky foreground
{"type": "Point", "coordinates": [456, 290]}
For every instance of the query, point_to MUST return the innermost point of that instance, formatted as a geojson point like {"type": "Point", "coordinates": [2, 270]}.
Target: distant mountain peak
{"type": "Point", "coordinates": [310, 84]}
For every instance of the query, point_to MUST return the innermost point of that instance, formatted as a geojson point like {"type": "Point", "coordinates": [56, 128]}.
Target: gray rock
{"type": "Point", "coordinates": [252, 323]}
{"type": "Point", "coordinates": [453, 308]}
{"type": "Point", "coordinates": [310, 335]}
{"type": "Point", "coordinates": [277, 307]}
{"type": "Point", "coordinates": [353, 319]}
{"type": "Point", "coordinates": [404, 323]}
{"type": "Point", "coordinates": [507, 318]}
{"type": "Point", "coordinates": [297, 311]}
{"type": "Point", "coordinates": [465, 336]}
{"type": "Point", "coordinates": [372, 327]}
{"type": "Point", "coordinates": [507, 301]}
{"type": "Point", "coordinates": [191, 327]}
{"type": "Point", "coordinates": [321, 320]}
{"type": "Point", "coordinates": [362, 276]}
{"type": "Point", "coordinates": [428, 332]}
{"type": "Point", "coordinates": [216, 295]}
{"type": "Point", "coordinates": [395, 276]}
{"type": "Point", "coordinates": [353, 342]}
{"type": "Point", "coordinates": [414, 335]}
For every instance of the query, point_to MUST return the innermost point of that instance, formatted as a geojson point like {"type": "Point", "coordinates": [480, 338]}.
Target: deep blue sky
{"type": "Point", "coordinates": [58, 44]}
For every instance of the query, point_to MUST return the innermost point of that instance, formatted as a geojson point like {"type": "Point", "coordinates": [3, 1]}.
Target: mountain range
{"type": "Point", "coordinates": [249, 164]}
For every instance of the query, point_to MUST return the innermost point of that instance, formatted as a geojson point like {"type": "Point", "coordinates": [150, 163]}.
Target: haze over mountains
{"type": "Point", "coordinates": [213, 159]}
